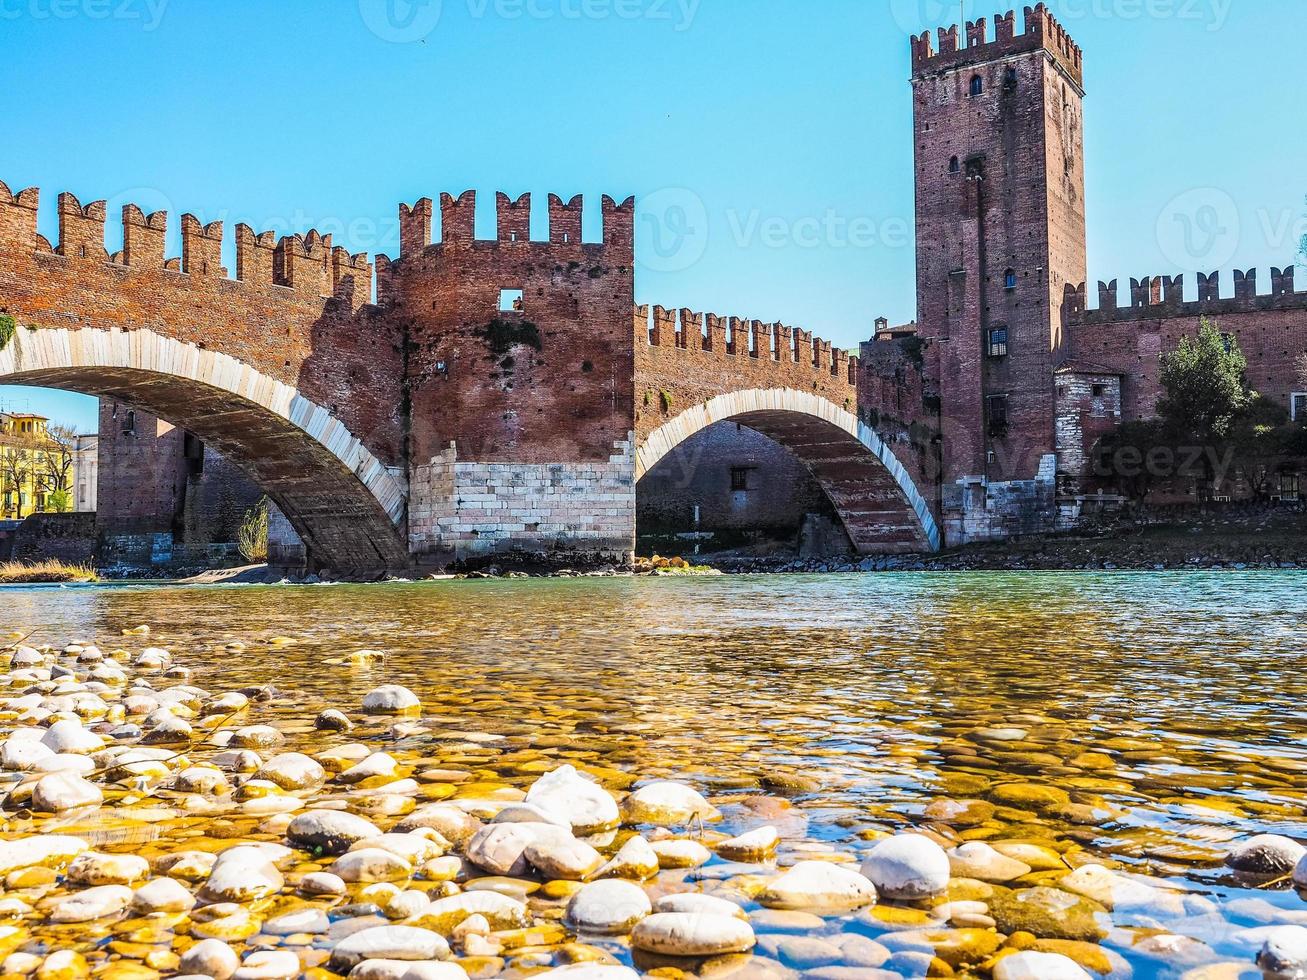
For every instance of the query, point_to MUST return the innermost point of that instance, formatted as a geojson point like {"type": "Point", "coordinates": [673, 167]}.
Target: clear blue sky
{"type": "Point", "coordinates": [776, 133]}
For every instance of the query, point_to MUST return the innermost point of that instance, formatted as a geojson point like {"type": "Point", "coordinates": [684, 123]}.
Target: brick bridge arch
{"type": "Point", "coordinates": [346, 506]}
{"type": "Point", "coordinates": [876, 500]}
{"type": "Point", "coordinates": [694, 370]}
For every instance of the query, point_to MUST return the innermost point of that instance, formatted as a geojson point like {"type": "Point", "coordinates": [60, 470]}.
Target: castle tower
{"type": "Point", "coordinates": [1000, 231]}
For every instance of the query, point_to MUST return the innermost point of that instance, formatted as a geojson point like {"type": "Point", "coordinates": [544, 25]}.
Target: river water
{"type": "Point", "coordinates": [1143, 721]}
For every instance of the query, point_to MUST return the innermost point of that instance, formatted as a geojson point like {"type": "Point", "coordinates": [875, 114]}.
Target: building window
{"type": "Point", "coordinates": [1289, 485]}
{"type": "Point", "coordinates": [511, 300]}
{"type": "Point", "coordinates": [998, 342]}
{"type": "Point", "coordinates": [996, 411]}
{"type": "Point", "coordinates": [740, 478]}
{"type": "Point", "coordinates": [1010, 77]}
{"type": "Point", "coordinates": [1010, 279]}
{"type": "Point", "coordinates": [954, 166]}
{"type": "Point", "coordinates": [1298, 406]}
{"type": "Point", "coordinates": [129, 424]}
{"type": "Point", "coordinates": [1099, 391]}
{"type": "Point", "coordinates": [977, 85]}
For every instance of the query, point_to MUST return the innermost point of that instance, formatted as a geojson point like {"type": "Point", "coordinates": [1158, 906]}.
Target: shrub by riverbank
{"type": "Point", "coordinates": [48, 571]}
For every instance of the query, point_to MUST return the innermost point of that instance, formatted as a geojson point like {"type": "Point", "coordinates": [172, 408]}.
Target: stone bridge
{"type": "Point", "coordinates": [494, 395]}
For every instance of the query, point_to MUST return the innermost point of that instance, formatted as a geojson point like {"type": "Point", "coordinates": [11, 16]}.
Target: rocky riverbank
{"type": "Point", "coordinates": [154, 828]}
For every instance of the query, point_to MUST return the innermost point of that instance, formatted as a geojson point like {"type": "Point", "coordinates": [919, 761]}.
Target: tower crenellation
{"type": "Point", "coordinates": [1041, 31]}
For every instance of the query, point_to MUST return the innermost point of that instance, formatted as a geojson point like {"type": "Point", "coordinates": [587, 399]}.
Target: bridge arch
{"type": "Point", "coordinates": [343, 502]}
{"type": "Point", "coordinates": [881, 508]}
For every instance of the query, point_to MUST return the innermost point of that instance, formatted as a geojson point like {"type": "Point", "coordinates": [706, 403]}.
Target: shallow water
{"type": "Point", "coordinates": [1167, 709]}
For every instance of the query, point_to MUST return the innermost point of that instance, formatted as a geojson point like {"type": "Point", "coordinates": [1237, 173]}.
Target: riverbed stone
{"type": "Point", "coordinates": [907, 867]}
{"type": "Point", "coordinates": [680, 853]}
{"type": "Point", "coordinates": [571, 860]}
{"type": "Point", "coordinates": [61, 791]}
{"type": "Point", "coordinates": [68, 736]}
{"type": "Point", "coordinates": [1049, 913]}
{"type": "Point", "coordinates": [695, 902]}
{"type": "Point", "coordinates": [269, 964]}
{"type": "Point", "coordinates": [389, 943]}
{"type": "Point", "coordinates": [978, 860]}
{"type": "Point", "coordinates": [1030, 965]}
{"type": "Point", "coordinates": [818, 885]}
{"type": "Point", "coordinates": [452, 823]}
{"type": "Point", "coordinates": [329, 831]}
{"type": "Point", "coordinates": [50, 850]}
{"type": "Point", "coordinates": [667, 804]}
{"type": "Point", "coordinates": [1283, 955]}
{"type": "Point", "coordinates": [608, 907]}
{"type": "Point", "coordinates": [292, 771]}
{"type": "Point", "coordinates": [692, 934]}
{"type": "Point", "coordinates": [91, 904]}
{"type": "Point", "coordinates": [500, 848]}
{"type": "Point", "coordinates": [501, 911]}
{"type": "Point", "coordinates": [370, 864]}
{"type": "Point", "coordinates": [583, 803]}
{"type": "Point", "coordinates": [1266, 854]}
{"type": "Point", "coordinates": [635, 859]}
{"type": "Point", "coordinates": [93, 868]}
{"type": "Point", "coordinates": [162, 895]}
{"type": "Point", "coordinates": [756, 845]}
{"type": "Point", "coordinates": [390, 699]}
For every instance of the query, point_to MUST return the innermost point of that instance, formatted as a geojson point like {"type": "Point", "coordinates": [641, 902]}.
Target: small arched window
{"type": "Point", "coordinates": [954, 166]}
{"type": "Point", "coordinates": [1010, 279]}
{"type": "Point", "coordinates": [977, 85]}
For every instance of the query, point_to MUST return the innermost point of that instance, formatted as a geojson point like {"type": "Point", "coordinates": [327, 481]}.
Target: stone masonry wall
{"type": "Point", "coordinates": [464, 510]}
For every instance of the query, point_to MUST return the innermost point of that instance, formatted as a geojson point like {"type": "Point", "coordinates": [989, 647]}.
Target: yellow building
{"type": "Point", "coordinates": [33, 465]}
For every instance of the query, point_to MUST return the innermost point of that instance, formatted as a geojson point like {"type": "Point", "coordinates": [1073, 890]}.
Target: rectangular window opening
{"type": "Point", "coordinates": [1298, 406]}
{"type": "Point", "coordinates": [998, 342]}
{"type": "Point", "coordinates": [511, 300]}
{"type": "Point", "coordinates": [996, 410]}
{"type": "Point", "coordinates": [1099, 391]}
{"type": "Point", "coordinates": [740, 478]}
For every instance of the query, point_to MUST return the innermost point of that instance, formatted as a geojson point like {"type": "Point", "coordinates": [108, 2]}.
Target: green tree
{"type": "Point", "coordinates": [1203, 383]}
{"type": "Point", "coordinates": [59, 502]}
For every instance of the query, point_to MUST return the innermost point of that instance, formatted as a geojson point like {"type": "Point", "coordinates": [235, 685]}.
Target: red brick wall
{"type": "Point", "coordinates": [684, 358]}
{"type": "Point", "coordinates": [899, 398]}
{"type": "Point", "coordinates": [571, 400]}
{"type": "Point", "coordinates": [295, 312]}
{"type": "Point", "coordinates": [1016, 201]}
{"type": "Point", "coordinates": [142, 472]}
{"type": "Point", "coordinates": [1271, 330]}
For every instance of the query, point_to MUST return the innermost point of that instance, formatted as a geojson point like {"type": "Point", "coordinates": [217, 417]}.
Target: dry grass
{"type": "Point", "coordinates": [52, 570]}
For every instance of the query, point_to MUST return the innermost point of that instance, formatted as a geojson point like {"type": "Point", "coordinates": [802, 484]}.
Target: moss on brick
{"type": "Point", "coordinates": [503, 335]}
{"type": "Point", "coordinates": [7, 327]}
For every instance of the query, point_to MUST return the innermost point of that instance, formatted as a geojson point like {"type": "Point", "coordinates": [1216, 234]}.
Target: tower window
{"type": "Point", "coordinates": [977, 85]}
{"type": "Point", "coordinates": [740, 479]}
{"type": "Point", "coordinates": [1098, 391]}
{"type": "Point", "coordinates": [1010, 279]}
{"type": "Point", "coordinates": [996, 410]}
{"type": "Point", "coordinates": [997, 342]}
{"type": "Point", "coordinates": [954, 166]}
{"type": "Point", "coordinates": [129, 424]}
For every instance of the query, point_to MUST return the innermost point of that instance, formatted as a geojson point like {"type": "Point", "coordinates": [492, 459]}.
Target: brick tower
{"type": "Point", "coordinates": [1000, 231]}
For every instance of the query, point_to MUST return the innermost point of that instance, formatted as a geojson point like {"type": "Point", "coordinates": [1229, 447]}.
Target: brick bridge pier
{"type": "Point", "coordinates": [493, 396]}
